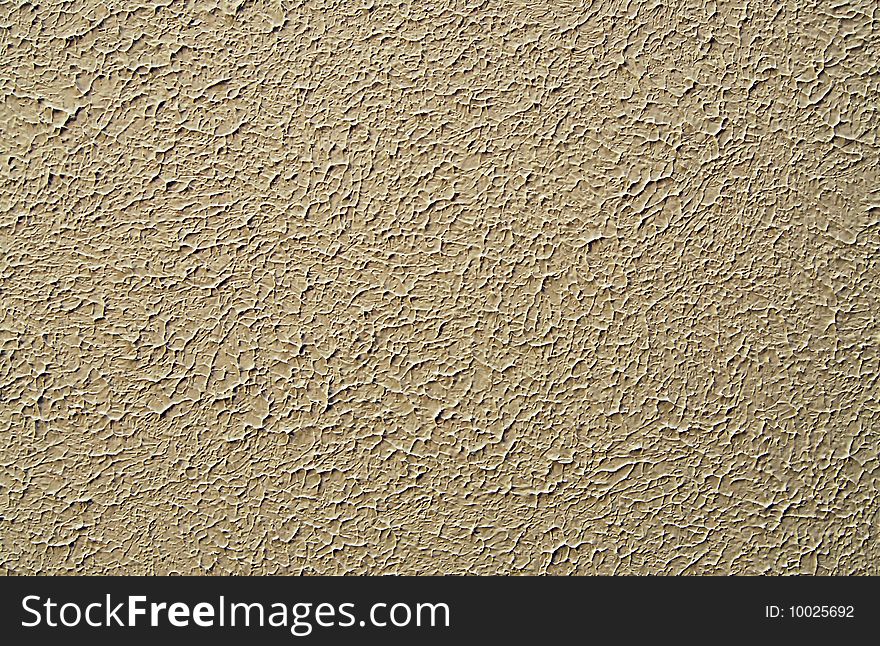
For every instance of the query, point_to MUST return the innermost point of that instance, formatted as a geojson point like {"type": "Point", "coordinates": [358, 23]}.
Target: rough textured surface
{"type": "Point", "coordinates": [471, 286]}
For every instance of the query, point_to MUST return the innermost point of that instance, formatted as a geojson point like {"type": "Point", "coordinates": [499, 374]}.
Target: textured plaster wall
{"type": "Point", "coordinates": [460, 286]}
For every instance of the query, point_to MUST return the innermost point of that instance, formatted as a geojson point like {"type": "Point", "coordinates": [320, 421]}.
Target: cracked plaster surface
{"type": "Point", "coordinates": [444, 287]}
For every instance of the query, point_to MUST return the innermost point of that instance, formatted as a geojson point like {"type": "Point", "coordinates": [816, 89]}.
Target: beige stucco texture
{"type": "Point", "coordinates": [469, 286]}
